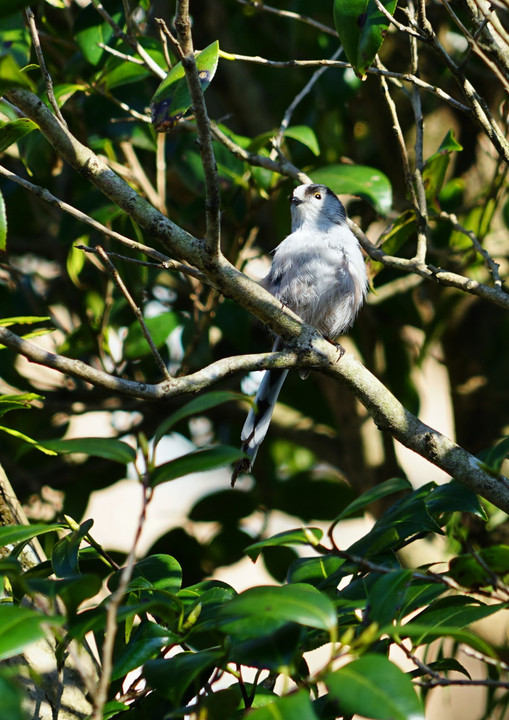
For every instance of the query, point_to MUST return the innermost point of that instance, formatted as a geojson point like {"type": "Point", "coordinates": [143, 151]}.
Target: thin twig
{"type": "Point", "coordinates": [212, 194]}
{"type": "Point", "coordinates": [421, 207]}
{"type": "Point", "coordinates": [404, 77]}
{"type": "Point", "coordinates": [121, 55]}
{"type": "Point", "coordinates": [296, 101]}
{"type": "Point", "coordinates": [51, 199]}
{"type": "Point", "coordinates": [492, 265]}
{"type": "Point", "coordinates": [136, 310]}
{"type": "Point", "coordinates": [149, 62]}
{"type": "Point", "coordinates": [392, 20]}
{"type": "Point", "coordinates": [291, 15]}
{"type": "Point", "coordinates": [113, 606]}
{"type": "Point", "coordinates": [42, 65]}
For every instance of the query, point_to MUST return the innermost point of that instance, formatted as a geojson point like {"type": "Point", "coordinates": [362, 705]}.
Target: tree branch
{"type": "Point", "coordinates": [387, 412]}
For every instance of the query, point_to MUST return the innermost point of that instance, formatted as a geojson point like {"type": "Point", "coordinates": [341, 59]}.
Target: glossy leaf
{"type": "Point", "coordinates": [224, 506]}
{"type": "Point", "coordinates": [276, 651]}
{"type": "Point", "coordinates": [172, 676]}
{"type": "Point", "coordinates": [202, 460]}
{"type": "Point", "coordinates": [474, 571]}
{"type": "Point", "coordinates": [496, 455]}
{"type": "Point", "coordinates": [172, 98]}
{"type": "Point", "coordinates": [454, 497]}
{"type": "Point", "coordinates": [20, 626]}
{"type": "Point", "coordinates": [72, 590]}
{"type": "Point", "coordinates": [158, 572]}
{"type": "Point", "coordinates": [11, 132]}
{"type": "Point", "coordinates": [197, 406]}
{"type": "Point", "coordinates": [361, 28]}
{"type": "Point", "coordinates": [91, 30]}
{"type": "Point", "coordinates": [106, 448]}
{"type": "Point", "coordinates": [11, 534]}
{"type": "Point", "coordinates": [23, 320]}
{"type": "Point", "coordinates": [389, 487]}
{"type": "Point", "coordinates": [435, 168]}
{"type": "Point", "coordinates": [290, 707]}
{"type": "Point", "coordinates": [64, 557]}
{"type": "Point", "coordinates": [374, 687]}
{"type": "Point", "coordinates": [387, 595]}
{"type": "Point", "coordinates": [300, 536]}
{"type": "Point", "coordinates": [145, 643]}
{"type": "Point", "coordinates": [11, 76]}
{"type": "Point", "coordinates": [315, 571]}
{"type": "Point", "coordinates": [366, 182]}
{"type": "Point", "coordinates": [297, 603]}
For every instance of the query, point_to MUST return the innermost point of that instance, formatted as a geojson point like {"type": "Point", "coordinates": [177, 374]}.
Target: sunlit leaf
{"type": "Point", "coordinates": [299, 603]}
{"type": "Point", "coordinates": [91, 30]}
{"type": "Point", "coordinates": [107, 448]}
{"type": "Point", "coordinates": [301, 536]}
{"type": "Point", "coordinates": [389, 487]}
{"type": "Point", "coordinates": [11, 132]}
{"type": "Point", "coordinates": [361, 28]}
{"type": "Point", "coordinates": [201, 460]}
{"type": "Point", "coordinates": [374, 687]}
{"type": "Point", "coordinates": [11, 534]}
{"type": "Point", "coordinates": [20, 626]}
{"type": "Point", "coordinates": [290, 707]}
{"type": "Point", "coordinates": [172, 98]}
{"type": "Point", "coordinates": [366, 182]}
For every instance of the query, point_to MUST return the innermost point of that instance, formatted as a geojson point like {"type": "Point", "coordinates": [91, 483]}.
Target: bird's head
{"type": "Point", "coordinates": [316, 205]}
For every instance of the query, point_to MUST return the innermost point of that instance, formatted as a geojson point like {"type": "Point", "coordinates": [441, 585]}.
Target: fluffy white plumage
{"type": "Point", "coordinates": [318, 272]}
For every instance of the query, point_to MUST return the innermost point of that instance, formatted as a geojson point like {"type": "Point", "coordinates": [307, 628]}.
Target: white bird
{"type": "Point", "coordinates": [318, 271]}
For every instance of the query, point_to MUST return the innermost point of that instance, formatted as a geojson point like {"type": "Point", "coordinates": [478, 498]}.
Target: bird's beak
{"type": "Point", "coordinates": [295, 200]}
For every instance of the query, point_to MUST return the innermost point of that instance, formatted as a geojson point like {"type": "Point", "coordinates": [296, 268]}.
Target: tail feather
{"type": "Point", "coordinates": [259, 417]}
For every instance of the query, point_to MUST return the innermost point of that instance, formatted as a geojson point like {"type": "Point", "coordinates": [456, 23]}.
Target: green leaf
{"type": "Point", "coordinates": [145, 643]}
{"type": "Point", "coordinates": [171, 677]}
{"type": "Point", "coordinates": [435, 168]}
{"type": "Point", "coordinates": [201, 460]}
{"type": "Point", "coordinates": [496, 455]}
{"type": "Point", "coordinates": [361, 28]}
{"type": "Point", "coordinates": [387, 595]}
{"type": "Point", "coordinates": [11, 76]}
{"type": "Point", "coordinates": [156, 572]}
{"type": "Point", "coordinates": [366, 182]}
{"type": "Point", "coordinates": [64, 558]}
{"type": "Point", "coordinates": [12, 696]}
{"type": "Point", "coordinates": [305, 135]}
{"type": "Point", "coordinates": [9, 7]}
{"type": "Point", "coordinates": [20, 626]}
{"type": "Point", "coordinates": [454, 497]}
{"type": "Point", "coordinates": [27, 439]}
{"type": "Point", "coordinates": [374, 687]}
{"type": "Point", "coordinates": [388, 487]}
{"type": "Point", "coordinates": [72, 590]}
{"type": "Point", "coordinates": [290, 707]}
{"type": "Point", "coordinates": [11, 534]}
{"type": "Point", "coordinates": [172, 99]}
{"type": "Point", "coordinates": [90, 29]}
{"type": "Point", "coordinates": [394, 237]}
{"type": "Point", "coordinates": [297, 603]}
{"type": "Point", "coordinates": [159, 327]}
{"type": "Point", "coordinates": [316, 570]}
{"type": "Point", "coordinates": [3, 224]}
{"type": "Point", "coordinates": [106, 448]}
{"type": "Point", "coordinates": [197, 406]}
{"type": "Point", "coordinates": [23, 320]}
{"type": "Point", "coordinates": [300, 536]}
{"type": "Point", "coordinates": [473, 572]}
{"type": "Point", "coordinates": [11, 132]}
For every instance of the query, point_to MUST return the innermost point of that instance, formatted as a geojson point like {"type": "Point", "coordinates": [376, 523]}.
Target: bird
{"type": "Point", "coordinates": [318, 271]}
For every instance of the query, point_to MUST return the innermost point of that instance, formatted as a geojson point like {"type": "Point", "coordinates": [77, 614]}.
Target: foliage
{"type": "Point", "coordinates": [136, 304]}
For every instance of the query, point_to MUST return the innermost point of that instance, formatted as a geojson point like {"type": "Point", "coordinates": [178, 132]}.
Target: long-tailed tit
{"type": "Point", "coordinates": [318, 272]}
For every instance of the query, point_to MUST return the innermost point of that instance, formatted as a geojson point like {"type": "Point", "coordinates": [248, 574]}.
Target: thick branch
{"type": "Point", "coordinates": [387, 412]}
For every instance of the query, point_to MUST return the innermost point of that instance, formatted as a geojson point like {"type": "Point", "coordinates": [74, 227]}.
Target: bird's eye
{"type": "Point", "coordinates": [318, 196]}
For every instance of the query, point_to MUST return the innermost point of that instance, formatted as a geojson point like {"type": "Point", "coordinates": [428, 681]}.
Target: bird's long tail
{"type": "Point", "coordinates": [258, 421]}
